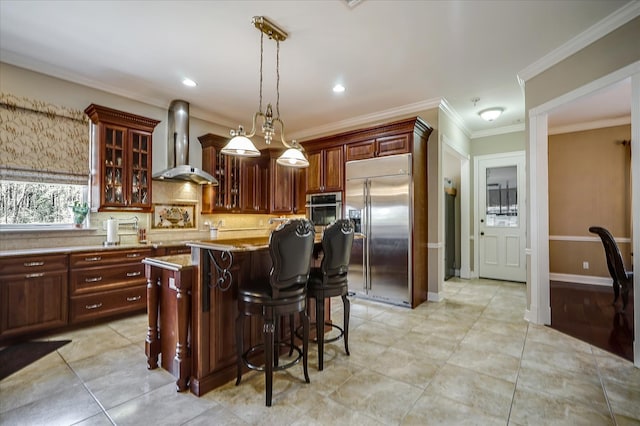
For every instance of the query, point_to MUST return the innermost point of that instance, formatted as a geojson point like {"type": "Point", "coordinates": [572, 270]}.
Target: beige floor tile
{"type": "Point", "coordinates": [405, 366]}
{"type": "Point", "coordinates": [549, 336]}
{"type": "Point", "coordinates": [326, 411]}
{"type": "Point", "coordinates": [100, 419]}
{"type": "Point", "coordinates": [220, 416]}
{"type": "Point", "coordinates": [494, 364]}
{"type": "Point", "coordinates": [561, 357]}
{"type": "Point", "coordinates": [133, 328]}
{"type": "Point", "coordinates": [492, 396]}
{"type": "Point", "coordinates": [386, 399]}
{"type": "Point", "coordinates": [162, 406]}
{"type": "Point", "coordinates": [492, 342]}
{"type": "Point", "coordinates": [515, 330]}
{"type": "Point", "coordinates": [433, 409]}
{"type": "Point", "coordinates": [36, 381]}
{"type": "Point", "coordinates": [561, 384]}
{"type": "Point", "coordinates": [534, 408]}
{"type": "Point", "coordinates": [427, 346]}
{"type": "Point", "coordinates": [624, 400]}
{"type": "Point", "coordinates": [87, 342]}
{"type": "Point", "coordinates": [63, 406]}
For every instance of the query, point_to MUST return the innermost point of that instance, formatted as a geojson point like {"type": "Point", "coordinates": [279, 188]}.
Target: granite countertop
{"type": "Point", "coordinates": [245, 244]}
{"type": "Point", "coordinates": [173, 263]}
{"type": "Point", "coordinates": [75, 249]}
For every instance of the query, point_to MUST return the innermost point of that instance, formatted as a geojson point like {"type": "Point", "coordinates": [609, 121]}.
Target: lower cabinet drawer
{"type": "Point", "coordinates": [106, 303]}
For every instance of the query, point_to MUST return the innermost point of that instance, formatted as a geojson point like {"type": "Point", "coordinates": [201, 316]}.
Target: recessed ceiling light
{"type": "Point", "coordinates": [338, 88]}
{"type": "Point", "coordinates": [491, 113]}
{"type": "Point", "coordinates": [189, 82]}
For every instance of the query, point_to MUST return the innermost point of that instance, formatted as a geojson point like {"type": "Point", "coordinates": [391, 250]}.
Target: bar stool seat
{"type": "Point", "coordinates": [283, 294]}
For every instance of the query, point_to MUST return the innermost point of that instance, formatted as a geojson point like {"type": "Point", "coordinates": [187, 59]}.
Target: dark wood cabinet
{"type": "Point", "coordinates": [33, 294]}
{"type": "Point", "coordinates": [254, 185]}
{"type": "Point", "coordinates": [104, 283]}
{"type": "Point", "coordinates": [225, 197]}
{"type": "Point", "coordinates": [379, 147]}
{"type": "Point", "coordinates": [121, 159]}
{"type": "Point", "coordinates": [326, 170]}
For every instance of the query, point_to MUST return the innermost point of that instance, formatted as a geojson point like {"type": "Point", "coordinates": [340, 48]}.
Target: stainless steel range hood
{"type": "Point", "coordinates": [178, 149]}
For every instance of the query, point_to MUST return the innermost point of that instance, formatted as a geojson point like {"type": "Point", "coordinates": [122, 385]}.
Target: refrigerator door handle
{"type": "Point", "coordinates": [367, 208]}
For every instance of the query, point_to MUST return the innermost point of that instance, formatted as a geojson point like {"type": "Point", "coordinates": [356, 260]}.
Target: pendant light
{"type": "Point", "coordinates": [240, 143]}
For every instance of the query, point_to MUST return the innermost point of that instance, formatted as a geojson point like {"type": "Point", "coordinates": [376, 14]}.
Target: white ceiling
{"type": "Point", "coordinates": [392, 56]}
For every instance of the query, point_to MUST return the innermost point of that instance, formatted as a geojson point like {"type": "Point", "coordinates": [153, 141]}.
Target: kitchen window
{"type": "Point", "coordinates": [26, 204]}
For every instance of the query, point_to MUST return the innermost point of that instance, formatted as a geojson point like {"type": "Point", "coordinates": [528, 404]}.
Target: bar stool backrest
{"type": "Point", "coordinates": [291, 247]}
{"type": "Point", "coordinates": [336, 245]}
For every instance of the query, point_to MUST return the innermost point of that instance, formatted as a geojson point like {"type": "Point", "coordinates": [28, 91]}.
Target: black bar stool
{"type": "Point", "coordinates": [330, 280]}
{"type": "Point", "coordinates": [285, 293]}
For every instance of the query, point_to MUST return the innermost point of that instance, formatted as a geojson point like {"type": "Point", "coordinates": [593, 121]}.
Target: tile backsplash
{"type": "Point", "coordinates": [228, 225]}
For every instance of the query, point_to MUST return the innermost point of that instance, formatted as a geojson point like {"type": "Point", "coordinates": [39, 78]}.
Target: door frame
{"type": "Point", "coordinates": [522, 196]}
{"type": "Point", "coordinates": [539, 310]}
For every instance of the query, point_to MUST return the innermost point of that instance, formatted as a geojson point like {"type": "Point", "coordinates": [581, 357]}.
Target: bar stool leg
{"type": "Point", "coordinates": [268, 332]}
{"type": "Point", "coordinates": [347, 311]}
{"type": "Point", "coordinates": [239, 345]}
{"type": "Point", "coordinates": [320, 331]}
{"type": "Point", "coordinates": [305, 343]}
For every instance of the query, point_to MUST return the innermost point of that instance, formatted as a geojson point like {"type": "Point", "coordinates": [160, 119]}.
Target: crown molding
{"type": "Point", "coordinates": [582, 40]}
{"type": "Point", "coordinates": [454, 116]}
{"type": "Point", "coordinates": [366, 119]}
{"type": "Point", "coordinates": [498, 131]}
{"type": "Point", "coordinates": [590, 125]}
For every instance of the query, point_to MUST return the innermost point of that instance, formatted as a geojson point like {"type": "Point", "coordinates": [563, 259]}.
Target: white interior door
{"type": "Point", "coordinates": [501, 221]}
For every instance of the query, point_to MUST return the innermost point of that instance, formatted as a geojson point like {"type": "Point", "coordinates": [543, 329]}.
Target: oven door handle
{"type": "Point", "coordinates": [337, 204]}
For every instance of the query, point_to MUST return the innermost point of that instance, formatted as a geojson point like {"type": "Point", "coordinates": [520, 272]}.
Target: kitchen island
{"type": "Point", "coordinates": [192, 307]}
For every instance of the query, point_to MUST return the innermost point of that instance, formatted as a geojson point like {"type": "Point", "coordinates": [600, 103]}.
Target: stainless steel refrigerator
{"type": "Point", "coordinates": [378, 199]}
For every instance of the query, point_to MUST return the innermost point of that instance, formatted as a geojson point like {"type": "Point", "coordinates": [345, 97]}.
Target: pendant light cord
{"type": "Point", "coordinates": [261, 55]}
{"type": "Point", "coordinates": [278, 79]}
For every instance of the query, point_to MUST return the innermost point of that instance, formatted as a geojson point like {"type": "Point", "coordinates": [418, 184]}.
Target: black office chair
{"type": "Point", "coordinates": [330, 280]}
{"type": "Point", "coordinates": [622, 279]}
{"type": "Point", "coordinates": [285, 293]}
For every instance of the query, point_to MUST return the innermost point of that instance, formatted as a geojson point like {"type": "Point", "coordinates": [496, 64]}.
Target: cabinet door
{"type": "Point", "coordinates": [249, 181]}
{"type": "Point", "coordinates": [333, 170]}
{"type": "Point", "coordinates": [314, 172]}
{"type": "Point", "coordinates": [114, 153]}
{"type": "Point", "coordinates": [361, 150]}
{"type": "Point", "coordinates": [281, 188]}
{"type": "Point", "coordinates": [392, 145]}
{"type": "Point", "coordinates": [139, 187]}
{"type": "Point", "coordinates": [32, 302]}
{"type": "Point", "coordinates": [300, 190]}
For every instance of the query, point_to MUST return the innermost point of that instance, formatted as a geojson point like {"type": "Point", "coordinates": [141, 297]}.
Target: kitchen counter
{"type": "Point", "coordinates": [75, 249]}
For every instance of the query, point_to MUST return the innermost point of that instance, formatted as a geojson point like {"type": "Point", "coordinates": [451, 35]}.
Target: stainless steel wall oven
{"type": "Point", "coordinates": [324, 208]}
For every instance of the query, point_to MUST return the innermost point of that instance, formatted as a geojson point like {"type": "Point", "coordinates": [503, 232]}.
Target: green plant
{"type": "Point", "coordinates": [80, 211]}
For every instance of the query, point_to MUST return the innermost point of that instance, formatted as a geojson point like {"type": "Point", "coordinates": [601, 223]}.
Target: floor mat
{"type": "Point", "coordinates": [18, 356]}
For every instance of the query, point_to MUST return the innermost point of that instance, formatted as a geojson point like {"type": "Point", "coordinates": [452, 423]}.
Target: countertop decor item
{"type": "Point", "coordinates": [80, 211]}
{"type": "Point", "coordinates": [172, 216]}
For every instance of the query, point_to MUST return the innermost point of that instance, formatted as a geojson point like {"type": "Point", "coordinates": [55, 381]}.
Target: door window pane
{"type": "Point", "coordinates": [502, 196]}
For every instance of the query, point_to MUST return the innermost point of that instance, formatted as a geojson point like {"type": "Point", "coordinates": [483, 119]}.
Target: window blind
{"type": "Point", "coordinates": [41, 142]}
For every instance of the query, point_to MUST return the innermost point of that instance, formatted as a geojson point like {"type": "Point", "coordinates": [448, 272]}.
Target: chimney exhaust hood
{"type": "Point", "coordinates": [178, 149]}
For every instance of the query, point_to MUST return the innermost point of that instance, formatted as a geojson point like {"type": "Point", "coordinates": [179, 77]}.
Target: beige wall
{"type": "Point", "coordinates": [604, 56]}
{"type": "Point", "coordinates": [589, 185]}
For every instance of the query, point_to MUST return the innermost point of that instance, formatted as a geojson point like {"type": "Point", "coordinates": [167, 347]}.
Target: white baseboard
{"type": "Point", "coordinates": [636, 351]}
{"type": "Point", "coordinates": [434, 297]}
{"type": "Point", "coordinates": [581, 279]}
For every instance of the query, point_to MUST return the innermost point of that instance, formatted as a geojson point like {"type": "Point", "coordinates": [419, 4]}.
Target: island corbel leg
{"type": "Point", "coordinates": [152, 342]}
{"type": "Point", "coordinates": [182, 359]}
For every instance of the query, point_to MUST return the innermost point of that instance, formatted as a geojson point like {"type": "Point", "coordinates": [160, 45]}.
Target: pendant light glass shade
{"type": "Point", "coordinates": [241, 146]}
{"type": "Point", "coordinates": [293, 157]}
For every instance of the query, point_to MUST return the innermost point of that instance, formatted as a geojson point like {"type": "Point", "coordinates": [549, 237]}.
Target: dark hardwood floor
{"type": "Point", "coordinates": [586, 312]}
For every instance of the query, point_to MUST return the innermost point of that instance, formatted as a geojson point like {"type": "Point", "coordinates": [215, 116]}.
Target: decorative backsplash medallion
{"type": "Point", "coordinates": [172, 216]}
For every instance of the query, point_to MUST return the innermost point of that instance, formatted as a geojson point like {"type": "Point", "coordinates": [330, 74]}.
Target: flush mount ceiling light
{"type": "Point", "coordinates": [240, 143]}
{"type": "Point", "coordinates": [491, 113]}
{"type": "Point", "coordinates": [338, 88]}
{"type": "Point", "coordinates": [189, 82]}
